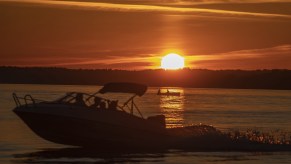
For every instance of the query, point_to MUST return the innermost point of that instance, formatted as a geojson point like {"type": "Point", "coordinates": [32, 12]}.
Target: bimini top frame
{"type": "Point", "coordinates": [136, 89]}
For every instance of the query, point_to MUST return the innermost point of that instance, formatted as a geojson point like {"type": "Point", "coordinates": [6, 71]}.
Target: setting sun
{"type": "Point", "coordinates": [172, 61]}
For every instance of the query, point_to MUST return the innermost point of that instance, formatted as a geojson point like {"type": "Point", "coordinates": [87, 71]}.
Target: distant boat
{"type": "Point", "coordinates": [168, 93]}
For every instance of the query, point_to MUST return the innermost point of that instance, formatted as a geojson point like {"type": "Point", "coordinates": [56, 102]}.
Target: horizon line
{"type": "Point", "coordinates": [158, 69]}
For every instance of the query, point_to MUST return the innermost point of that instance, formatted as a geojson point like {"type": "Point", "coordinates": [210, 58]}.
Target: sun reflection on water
{"type": "Point", "coordinates": [173, 107]}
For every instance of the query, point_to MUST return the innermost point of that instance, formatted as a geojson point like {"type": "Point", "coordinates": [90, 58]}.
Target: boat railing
{"type": "Point", "coordinates": [16, 99]}
{"type": "Point", "coordinates": [27, 99]}
{"type": "Point", "coordinates": [130, 104]}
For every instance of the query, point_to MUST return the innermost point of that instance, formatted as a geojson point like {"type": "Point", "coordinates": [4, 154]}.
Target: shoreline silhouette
{"type": "Point", "coordinates": [276, 79]}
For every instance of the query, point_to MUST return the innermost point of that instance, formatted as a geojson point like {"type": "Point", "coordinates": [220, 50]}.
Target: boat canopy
{"type": "Point", "coordinates": [122, 87]}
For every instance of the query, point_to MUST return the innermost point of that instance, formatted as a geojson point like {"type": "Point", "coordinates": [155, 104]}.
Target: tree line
{"type": "Point", "coordinates": [194, 78]}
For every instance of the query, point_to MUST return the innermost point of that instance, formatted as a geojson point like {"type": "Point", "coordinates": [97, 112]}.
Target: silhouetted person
{"type": "Point", "coordinates": [79, 99]}
{"type": "Point", "coordinates": [168, 91]}
{"type": "Point", "coordinates": [102, 105]}
{"type": "Point", "coordinates": [159, 92]}
{"type": "Point", "coordinates": [97, 102]}
{"type": "Point", "coordinates": [112, 105]}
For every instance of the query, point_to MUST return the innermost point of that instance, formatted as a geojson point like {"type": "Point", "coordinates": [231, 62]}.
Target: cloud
{"type": "Point", "coordinates": [267, 58]}
{"type": "Point", "coordinates": [277, 57]}
{"type": "Point", "coordinates": [227, 1]}
{"type": "Point", "coordinates": [147, 8]}
{"type": "Point", "coordinates": [138, 61]}
{"type": "Point", "coordinates": [118, 62]}
{"type": "Point", "coordinates": [257, 53]}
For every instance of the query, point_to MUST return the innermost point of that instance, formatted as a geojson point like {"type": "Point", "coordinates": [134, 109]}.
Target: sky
{"type": "Point", "coordinates": [136, 34]}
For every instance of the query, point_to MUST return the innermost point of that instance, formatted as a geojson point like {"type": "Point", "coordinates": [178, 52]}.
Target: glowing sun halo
{"type": "Point", "coordinates": [172, 61]}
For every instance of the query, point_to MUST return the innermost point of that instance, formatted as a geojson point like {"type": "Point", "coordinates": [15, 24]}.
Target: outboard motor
{"type": "Point", "coordinates": [158, 119]}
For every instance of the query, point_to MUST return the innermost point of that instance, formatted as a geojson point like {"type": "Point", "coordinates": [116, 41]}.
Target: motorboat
{"type": "Point", "coordinates": [168, 93]}
{"type": "Point", "coordinates": [74, 119]}
{"type": "Point", "coordinates": [90, 120]}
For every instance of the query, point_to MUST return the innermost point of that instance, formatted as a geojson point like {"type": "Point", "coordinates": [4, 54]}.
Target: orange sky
{"type": "Point", "coordinates": [135, 34]}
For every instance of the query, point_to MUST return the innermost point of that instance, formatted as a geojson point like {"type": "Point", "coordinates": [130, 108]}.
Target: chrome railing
{"type": "Point", "coordinates": [26, 99]}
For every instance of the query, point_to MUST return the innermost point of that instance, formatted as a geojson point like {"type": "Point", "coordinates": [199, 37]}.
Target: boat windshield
{"type": "Point", "coordinates": [94, 101]}
{"type": "Point", "coordinates": [87, 100]}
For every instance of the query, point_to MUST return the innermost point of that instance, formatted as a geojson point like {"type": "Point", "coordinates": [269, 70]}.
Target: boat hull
{"type": "Point", "coordinates": [91, 128]}
{"type": "Point", "coordinates": [169, 94]}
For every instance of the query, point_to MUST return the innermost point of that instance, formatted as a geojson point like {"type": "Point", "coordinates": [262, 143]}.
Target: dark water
{"type": "Point", "coordinates": [264, 110]}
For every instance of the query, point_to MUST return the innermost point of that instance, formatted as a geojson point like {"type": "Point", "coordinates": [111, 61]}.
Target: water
{"type": "Point", "coordinates": [225, 109]}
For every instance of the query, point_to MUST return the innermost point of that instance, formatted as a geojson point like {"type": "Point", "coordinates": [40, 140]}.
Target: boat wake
{"type": "Point", "coordinates": [208, 138]}
{"type": "Point", "coordinates": [199, 138]}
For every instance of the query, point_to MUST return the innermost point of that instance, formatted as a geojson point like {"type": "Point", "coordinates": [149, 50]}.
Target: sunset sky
{"type": "Point", "coordinates": [136, 34]}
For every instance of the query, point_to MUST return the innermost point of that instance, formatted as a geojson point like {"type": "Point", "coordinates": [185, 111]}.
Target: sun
{"type": "Point", "coordinates": [172, 61]}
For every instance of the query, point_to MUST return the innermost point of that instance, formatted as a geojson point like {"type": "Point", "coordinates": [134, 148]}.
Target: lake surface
{"type": "Point", "coordinates": [225, 109]}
